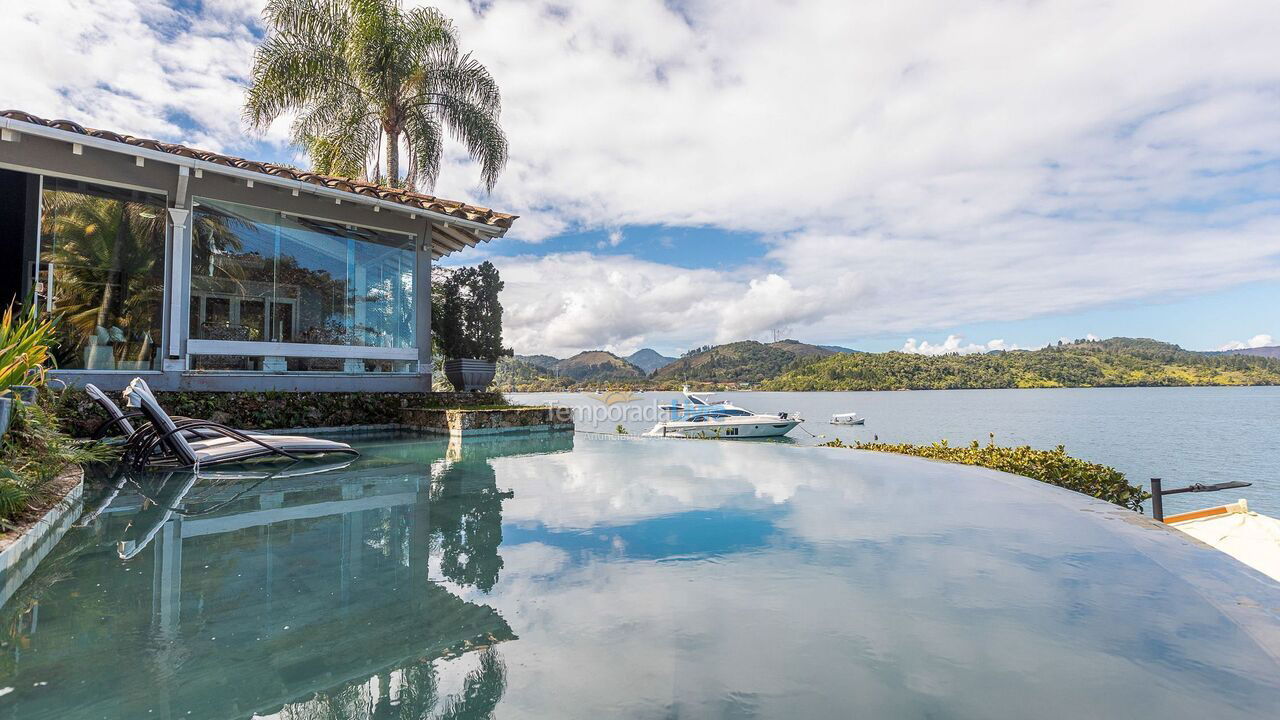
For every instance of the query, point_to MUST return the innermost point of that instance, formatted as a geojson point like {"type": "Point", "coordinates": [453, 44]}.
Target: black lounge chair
{"type": "Point", "coordinates": [166, 441]}
{"type": "Point", "coordinates": [117, 421]}
{"type": "Point", "coordinates": [121, 422]}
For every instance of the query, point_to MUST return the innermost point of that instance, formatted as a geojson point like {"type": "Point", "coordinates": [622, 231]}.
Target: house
{"type": "Point", "coordinates": [201, 271]}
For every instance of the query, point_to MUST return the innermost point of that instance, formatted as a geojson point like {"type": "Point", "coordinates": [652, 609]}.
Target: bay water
{"type": "Point", "coordinates": [1183, 435]}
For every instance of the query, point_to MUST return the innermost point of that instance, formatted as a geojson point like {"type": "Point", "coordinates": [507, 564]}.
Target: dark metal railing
{"type": "Point", "coordinates": [1158, 493]}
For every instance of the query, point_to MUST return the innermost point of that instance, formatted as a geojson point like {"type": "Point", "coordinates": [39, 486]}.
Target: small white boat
{"type": "Point", "coordinates": [702, 418]}
{"type": "Point", "coordinates": [848, 419]}
{"type": "Point", "coordinates": [1236, 530]}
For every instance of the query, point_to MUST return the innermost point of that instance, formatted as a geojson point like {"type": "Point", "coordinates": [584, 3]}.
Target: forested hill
{"type": "Point", "coordinates": [740, 362]}
{"type": "Point", "coordinates": [1118, 362]}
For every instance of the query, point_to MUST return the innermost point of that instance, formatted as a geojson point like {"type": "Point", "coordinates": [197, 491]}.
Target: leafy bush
{"type": "Point", "coordinates": [24, 347]}
{"type": "Point", "coordinates": [466, 317]}
{"type": "Point", "coordinates": [1055, 467]}
{"type": "Point", "coordinates": [32, 454]}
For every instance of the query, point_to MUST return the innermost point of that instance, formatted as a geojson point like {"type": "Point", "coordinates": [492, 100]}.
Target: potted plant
{"type": "Point", "coordinates": [24, 350]}
{"type": "Point", "coordinates": [466, 322]}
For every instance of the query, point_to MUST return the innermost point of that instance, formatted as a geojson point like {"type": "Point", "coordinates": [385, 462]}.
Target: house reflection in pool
{"type": "Point", "coordinates": [304, 596]}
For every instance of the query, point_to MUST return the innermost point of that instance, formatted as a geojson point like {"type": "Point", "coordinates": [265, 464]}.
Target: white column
{"type": "Point", "coordinates": [177, 292]}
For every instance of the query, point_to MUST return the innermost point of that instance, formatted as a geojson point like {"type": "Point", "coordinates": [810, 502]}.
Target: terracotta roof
{"type": "Point", "coordinates": [409, 198]}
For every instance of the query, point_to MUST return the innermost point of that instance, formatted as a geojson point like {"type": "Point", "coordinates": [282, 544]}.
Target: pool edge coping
{"type": "Point", "coordinates": [20, 558]}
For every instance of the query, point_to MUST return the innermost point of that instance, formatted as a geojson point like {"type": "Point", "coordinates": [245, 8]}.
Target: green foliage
{"type": "Point", "coordinates": [275, 410]}
{"type": "Point", "coordinates": [24, 347]}
{"type": "Point", "coordinates": [362, 77]}
{"type": "Point", "coordinates": [1118, 362]}
{"type": "Point", "coordinates": [621, 430]}
{"type": "Point", "coordinates": [32, 454]}
{"type": "Point", "coordinates": [596, 366]}
{"type": "Point", "coordinates": [514, 373]}
{"type": "Point", "coordinates": [1055, 467]}
{"type": "Point", "coordinates": [740, 362]}
{"type": "Point", "coordinates": [466, 315]}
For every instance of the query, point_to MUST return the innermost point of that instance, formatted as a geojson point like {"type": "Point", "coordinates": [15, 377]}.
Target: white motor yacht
{"type": "Point", "coordinates": [698, 417]}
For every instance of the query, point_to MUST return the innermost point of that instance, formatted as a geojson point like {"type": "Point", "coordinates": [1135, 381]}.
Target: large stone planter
{"type": "Point", "coordinates": [6, 413]}
{"type": "Point", "coordinates": [464, 422]}
{"type": "Point", "coordinates": [469, 374]}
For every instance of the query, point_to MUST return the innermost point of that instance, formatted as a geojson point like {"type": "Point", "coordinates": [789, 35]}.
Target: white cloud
{"type": "Point", "coordinates": [614, 239]}
{"type": "Point", "coordinates": [1257, 341]}
{"type": "Point", "coordinates": [140, 67]}
{"type": "Point", "coordinates": [955, 344]}
{"type": "Point", "coordinates": [913, 168]}
{"type": "Point", "coordinates": [564, 303]}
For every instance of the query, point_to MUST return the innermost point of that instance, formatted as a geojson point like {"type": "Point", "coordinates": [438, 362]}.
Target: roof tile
{"type": "Point", "coordinates": [409, 198]}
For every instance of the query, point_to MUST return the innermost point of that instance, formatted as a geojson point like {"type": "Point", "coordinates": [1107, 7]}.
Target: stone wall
{"type": "Point", "coordinates": [22, 549]}
{"type": "Point", "coordinates": [275, 410]}
{"type": "Point", "coordinates": [488, 421]}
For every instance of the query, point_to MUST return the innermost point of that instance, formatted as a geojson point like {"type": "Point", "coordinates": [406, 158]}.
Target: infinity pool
{"type": "Point", "coordinates": [564, 576]}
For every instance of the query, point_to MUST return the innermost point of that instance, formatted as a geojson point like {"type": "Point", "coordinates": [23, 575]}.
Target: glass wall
{"type": "Point", "coordinates": [260, 275]}
{"type": "Point", "coordinates": [101, 270]}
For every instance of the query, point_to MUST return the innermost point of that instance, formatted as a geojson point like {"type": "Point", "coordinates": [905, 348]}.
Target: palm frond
{"type": "Point", "coordinates": [426, 142]}
{"type": "Point", "coordinates": [479, 131]}
{"type": "Point", "coordinates": [318, 20]}
{"type": "Point", "coordinates": [425, 31]}
{"type": "Point", "coordinates": [288, 75]}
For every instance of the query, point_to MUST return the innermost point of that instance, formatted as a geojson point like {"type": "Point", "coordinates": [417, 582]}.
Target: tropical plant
{"type": "Point", "coordinates": [24, 347]}
{"type": "Point", "coordinates": [466, 316]}
{"type": "Point", "coordinates": [32, 454]}
{"type": "Point", "coordinates": [365, 75]}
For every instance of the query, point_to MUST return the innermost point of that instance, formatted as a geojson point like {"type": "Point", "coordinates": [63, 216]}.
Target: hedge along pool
{"type": "Point", "coordinates": [565, 576]}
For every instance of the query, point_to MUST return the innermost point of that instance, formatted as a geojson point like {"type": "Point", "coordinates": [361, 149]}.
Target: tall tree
{"type": "Point", "coordinates": [363, 76]}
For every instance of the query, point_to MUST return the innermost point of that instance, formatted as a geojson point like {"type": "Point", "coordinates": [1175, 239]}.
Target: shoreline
{"type": "Point", "coordinates": [724, 389]}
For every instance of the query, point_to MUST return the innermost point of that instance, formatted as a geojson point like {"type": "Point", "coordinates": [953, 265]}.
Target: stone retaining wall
{"type": "Point", "coordinates": [21, 554]}
{"type": "Point", "coordinates": [488, 422]}
{"type": "Point", "coordinates": [274, 410]}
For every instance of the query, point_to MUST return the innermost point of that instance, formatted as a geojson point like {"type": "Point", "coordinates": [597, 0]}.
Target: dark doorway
{"type": "Point", "coordinates": [16, 233]}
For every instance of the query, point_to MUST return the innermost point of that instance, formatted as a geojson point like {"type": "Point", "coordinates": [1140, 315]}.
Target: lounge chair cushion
{"type": "Point", "coordinates": [246, 450]}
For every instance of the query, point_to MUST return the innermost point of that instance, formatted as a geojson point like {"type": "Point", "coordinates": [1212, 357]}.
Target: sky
{"type": "Point", "coordinates": [916, 175]}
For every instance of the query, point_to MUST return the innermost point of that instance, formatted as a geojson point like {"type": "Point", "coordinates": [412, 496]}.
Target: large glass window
{"type": "Point", "coordinates": [260, 275]}
{"type": "Point", "coordinates": [102, 272]}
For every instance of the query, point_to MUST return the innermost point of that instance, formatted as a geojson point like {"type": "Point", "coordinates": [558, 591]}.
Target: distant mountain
{"type": "Point", "coordinates": [838, 349]}
{"type": "Point", "coordinates": [747, 361]}
{"type": "Point", "coordinates": [1117, 362]}
{"type": "Point", "coordinates": [596, 366]}
{"type": "Point", "coordinates": [1270, 351]}
{"type": "Point", "coordinates": [546, 362]}
{"type": "Point", "coordinates": [649, 360]}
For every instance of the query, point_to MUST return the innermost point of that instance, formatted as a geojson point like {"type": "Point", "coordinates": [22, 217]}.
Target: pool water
{"type": "Point", "coordinates": [568, 576]}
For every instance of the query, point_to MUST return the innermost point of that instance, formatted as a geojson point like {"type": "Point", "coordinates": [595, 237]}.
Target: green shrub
{"type": "Point", "coordinates": [1055, 467]}
{"type": "Point", "coordinates": [24, 347]}
{"type": "Point", "coordinates": [32, 454]}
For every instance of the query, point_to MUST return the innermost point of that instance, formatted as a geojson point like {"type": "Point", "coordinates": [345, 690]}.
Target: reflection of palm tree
{"type": "Point", "coordinates": [105, 252]}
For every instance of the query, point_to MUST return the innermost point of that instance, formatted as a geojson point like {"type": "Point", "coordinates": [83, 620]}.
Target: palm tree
{"type": "Point", "coordinates": [363, 75]}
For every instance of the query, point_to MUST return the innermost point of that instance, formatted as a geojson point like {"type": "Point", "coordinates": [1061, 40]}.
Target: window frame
{"type": "Point", "coordinates": [263, 348]}
{"type": "Point", "coordinates": [165, 339]}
